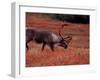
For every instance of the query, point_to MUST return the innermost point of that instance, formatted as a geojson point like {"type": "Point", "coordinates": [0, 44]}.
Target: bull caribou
{"type": "Point", "coordinates": [47, 38]}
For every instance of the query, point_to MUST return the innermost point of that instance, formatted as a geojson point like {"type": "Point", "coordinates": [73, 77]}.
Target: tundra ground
{"type": "Point", "coordinates": [76, 53]}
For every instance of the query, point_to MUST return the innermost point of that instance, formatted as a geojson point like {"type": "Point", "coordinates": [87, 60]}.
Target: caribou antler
{"type": "Point", "coordinates": [62, 28]}
{"type": "Point", "coordinates": [68, 39]}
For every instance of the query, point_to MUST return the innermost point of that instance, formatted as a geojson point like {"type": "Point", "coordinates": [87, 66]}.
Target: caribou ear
{"type": "Point", "coordinates": [60, 34]}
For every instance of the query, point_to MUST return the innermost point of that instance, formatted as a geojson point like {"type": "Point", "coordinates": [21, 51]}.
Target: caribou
{"type": "Point", "coordinates": [47, 38]}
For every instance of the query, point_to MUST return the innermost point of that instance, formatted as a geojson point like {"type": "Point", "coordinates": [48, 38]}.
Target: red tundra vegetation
{"type": "Point", "coordinates": [76, 53]}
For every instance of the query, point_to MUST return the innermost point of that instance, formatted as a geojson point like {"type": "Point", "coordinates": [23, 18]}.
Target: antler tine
{"type": "Point", "coordinates": [59, 32]}
{"type": "Point", "coordinates": [69, 38]}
